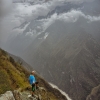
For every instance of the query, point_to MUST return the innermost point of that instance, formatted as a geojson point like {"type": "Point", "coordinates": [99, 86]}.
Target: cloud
{"type": "Point", "coordinates": [5, 8]}
{"type": "Point", "coordinates": [74, 15]}
{"type": "Point", "coordinates": [19, 30]}
{"type": "Point", "coordinates": [69, 17]}
{"type": "Point", "coordinates": [37, 10]}
{"type": "Point", "coordinates": [22, 12]}
{"type": "Point", "coordinates": [41, 9]}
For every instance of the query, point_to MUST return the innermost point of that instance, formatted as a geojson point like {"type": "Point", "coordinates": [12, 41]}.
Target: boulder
{"type": "Point", "coordinates": [7, 96]}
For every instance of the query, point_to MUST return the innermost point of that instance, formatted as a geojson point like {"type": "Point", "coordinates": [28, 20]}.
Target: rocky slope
{"type": "Point", "coordinates": [69, 60]}
{"type": "Point", "coordinates": [14, 76]}
{"type": "Point", "coordinates": [59, 46]}
{"type": "Point", "coordinates": [95, 94]}
{"type": "Point", "coordinates": [40, 94]}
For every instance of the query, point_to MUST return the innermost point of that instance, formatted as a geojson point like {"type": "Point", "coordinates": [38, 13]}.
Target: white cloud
{"type": "Point", "coordinates": [93, 18]}
{"type": "Point", "coordinates": [31, 33]}
{"type": "Point", "coordinates": [69, 17]}
{"type": "Point", "coordinates": [47, 22]}
{"type": "Point", "coordinates": [40, 9]}
{"type": "Point", "coordinates": [74, 15]}
{"type": "Point", "coordinates": [34, 11]}
{"type": "Point", "coordinates": [22, 12]}
{"type": "Point", "coordinates": [46, 35]}
{"type": "Point", "coordinates": [19, 30]}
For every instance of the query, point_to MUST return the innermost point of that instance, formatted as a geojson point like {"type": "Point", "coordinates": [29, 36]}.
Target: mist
{"type": "Point", "coordinates": [16, 18]}
{"type": "Point", "coordinates": [5, 6]}
{"type": "Point", "coordinates": [5, 9]}
{"type": "Point", "coordinates": [56, 36]}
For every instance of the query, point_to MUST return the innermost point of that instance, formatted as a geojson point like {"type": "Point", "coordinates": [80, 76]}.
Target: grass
{"type": "Point", "coordinates": [12, 74]}
{"type": "Point", "coordinates": [4, 81]}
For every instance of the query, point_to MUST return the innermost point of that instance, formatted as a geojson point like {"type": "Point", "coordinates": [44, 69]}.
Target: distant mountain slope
{"type": "Point", "coordinates": [69, 59]}
{"type": "Point", "coordinates": [23, 35]}
{"type": "Point", "coordinates": [21, 62]}
{"type": "Point", "coordinates": [14, 76]}
{"type": "Point", "coordinates": [95, 94]}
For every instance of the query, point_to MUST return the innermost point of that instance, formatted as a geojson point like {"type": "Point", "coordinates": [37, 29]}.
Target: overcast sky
{"type": "Point", "coordinates": [12, 15]}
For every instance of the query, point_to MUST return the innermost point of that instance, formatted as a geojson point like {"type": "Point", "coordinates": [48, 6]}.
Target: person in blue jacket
{"type": "Point", "coordinates": [33, 82]}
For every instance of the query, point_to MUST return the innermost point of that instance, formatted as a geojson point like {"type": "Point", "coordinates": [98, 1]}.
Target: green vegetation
{"type": "Point", "coordinates": [4, 81]}
{"type": "Point", "coordinates": [12, 74]}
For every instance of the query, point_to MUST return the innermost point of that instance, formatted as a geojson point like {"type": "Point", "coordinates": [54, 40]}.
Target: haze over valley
{"type": "Point", "coordinates": [60, 39]}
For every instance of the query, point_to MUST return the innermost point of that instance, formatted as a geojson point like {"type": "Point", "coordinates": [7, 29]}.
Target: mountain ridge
{"type": "Point", "coordinates": [10, 69]}
{"type": "Point", "coordinates": [71, 56]}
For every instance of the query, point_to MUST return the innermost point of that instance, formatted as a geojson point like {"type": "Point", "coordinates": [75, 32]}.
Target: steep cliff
{"type": "Point", "coordinates": [69, 59]}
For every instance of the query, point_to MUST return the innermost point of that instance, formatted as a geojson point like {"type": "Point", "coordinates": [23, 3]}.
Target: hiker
{"type": "Point", "coordinates": [33, 82]}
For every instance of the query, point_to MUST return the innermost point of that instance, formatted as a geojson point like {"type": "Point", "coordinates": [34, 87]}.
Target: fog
{"type": "Point", "coordinates": [5, 6]}
{"type": "Point", "coordinates": [16, 18]}
{"type": "Point", "coordinates": [36, 32]}
{"type": "Point", "coordinates": [5, 9]}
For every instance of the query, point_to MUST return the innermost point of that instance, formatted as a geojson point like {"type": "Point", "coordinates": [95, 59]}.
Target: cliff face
{"type": "Point", "coordinates": [69, 60]}
{"type": "Point", "coordinates": [14, 76]}
{"type": "Point", "coordinates": [95, 94]}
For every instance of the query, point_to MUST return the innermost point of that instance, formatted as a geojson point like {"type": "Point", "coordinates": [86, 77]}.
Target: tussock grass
{"type": "Point", "coordinates": [12, 74]}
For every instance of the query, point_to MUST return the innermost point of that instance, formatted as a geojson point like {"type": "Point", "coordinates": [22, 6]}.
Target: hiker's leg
{"type": "Point", "coordinates": [33, 89]}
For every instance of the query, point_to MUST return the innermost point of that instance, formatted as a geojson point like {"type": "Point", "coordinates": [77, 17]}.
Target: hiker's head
{"type": "Point", "coordinates": [33, 72]}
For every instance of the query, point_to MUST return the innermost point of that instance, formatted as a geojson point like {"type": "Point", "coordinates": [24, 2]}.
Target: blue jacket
{"type": "Point", "coordinates": [32, 79]}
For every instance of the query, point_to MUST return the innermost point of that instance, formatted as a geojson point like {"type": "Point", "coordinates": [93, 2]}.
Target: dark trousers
{"type": "Point", "coordinates": [34, 86]}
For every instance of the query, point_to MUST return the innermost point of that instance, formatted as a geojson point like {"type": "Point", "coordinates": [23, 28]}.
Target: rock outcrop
{"type": "Point", "coordinates": [95, 94]}
{"type": "Point", "coordinates": [7, 96]}
{"type": "Point", "coordinates": [40, 94]}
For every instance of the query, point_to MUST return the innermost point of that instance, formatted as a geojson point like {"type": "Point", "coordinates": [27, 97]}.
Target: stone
{"type": "Point", "coordinates": [7, 96]}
